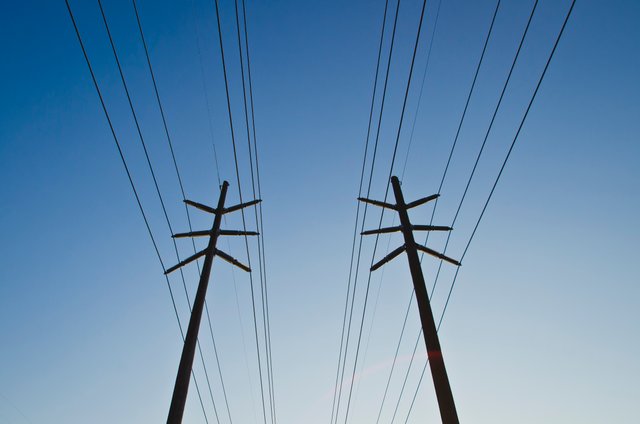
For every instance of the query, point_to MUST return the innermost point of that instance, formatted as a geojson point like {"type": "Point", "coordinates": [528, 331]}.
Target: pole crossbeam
{"type": "Point", "coordinates": [444, 395]}
{"type": "Point", "coordinates": [206, 233]}
{"type": "Point", "coordinates": [181, 388]}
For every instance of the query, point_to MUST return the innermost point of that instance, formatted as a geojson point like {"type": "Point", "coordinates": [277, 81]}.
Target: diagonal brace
{"type": "Point", "coordinates": [437, 254]}
{"type": "Point", "coordinates": [378, 203]}
{"type": "Point", "coordinates": [389, 257]}
{"type": "Point", "coordinates": [186, 261]}
{"type": "Point", "coordinates": [200, 206]}
{"type": "Point", "coordinates": [422, 201]}
{"type": "Point", "coordinates": [241, 206]}
{"type": "Point", "coordinates": [232, 260]}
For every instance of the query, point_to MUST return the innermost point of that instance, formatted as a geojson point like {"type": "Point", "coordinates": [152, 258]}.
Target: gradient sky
{"type": "Point", "coordinates": [543, 322]}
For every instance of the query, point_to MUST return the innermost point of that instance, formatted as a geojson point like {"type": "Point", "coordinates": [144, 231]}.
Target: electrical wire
{"type": "Point", "coordinates": [182, 190]}
{"type": "Point", "coordinates": [486, 136]}
{"type": "Point", "coordinates": [217, 167]}
{"type": "Point", "coordinates": [244, 225]}
{"type": "Point", "coordinates": [133, 188]}
{"type": "Point", "coordinates": [424, 79]}
{"type": "Point", "coordinates": [255, 209]}
{"type": "Point", "coordinates": [157, 187]}
{"type": "Point", "coordinates": [364, 214]}
{"type": "Point", "coordinates": [406, 376]}
{"type": "Point", "coordinates": [404, 167]}
{"type": "Point", "coordinates": [205, 90]}
{"type": "Point", "coordinates": [504, 163]}
{"type": "Point", "coordinates": [395, 150]}
{"type": "Point", "coordinates": [355, 229]}
{"type": "Point", "coordinates": [259, 206]}
{"type": "Point", "coordinates": [395, 358]}
{"type": "Point", "coordinates": [481, 149]}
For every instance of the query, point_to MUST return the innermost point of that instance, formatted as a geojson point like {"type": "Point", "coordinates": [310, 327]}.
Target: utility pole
{"type": "Point", "coordinates": [434, 352]}
{"type": "Point", "coordinates": [181, 387]}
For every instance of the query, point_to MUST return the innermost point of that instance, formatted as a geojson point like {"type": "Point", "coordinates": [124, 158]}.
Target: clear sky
{"type": "Point", "coordinates": [543, 322]}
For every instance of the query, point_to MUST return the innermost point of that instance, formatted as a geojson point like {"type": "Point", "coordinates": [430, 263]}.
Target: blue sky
{"type": "Point", "coordinates": [542, 325]}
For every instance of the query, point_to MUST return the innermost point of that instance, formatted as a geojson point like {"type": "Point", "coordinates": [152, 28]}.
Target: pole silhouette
{"type": "Point", "coordinates": [181, 388]}
{"type": "Point", "coordinates": [444, 395]}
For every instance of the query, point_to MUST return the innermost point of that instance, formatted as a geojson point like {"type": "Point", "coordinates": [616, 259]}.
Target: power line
{"type": "Point", "coordinates": [406, 376]}
{"type": "Point", "coordinates": [504, 163]}
{"type": "Point", "coordinates": [515, 138]}
{"type": "Point", "coordinates": [155, 182]}
{"type": "Point", "coordinates": [424, 78]}
{"type": "Point", "coordinates": [235, 157]}
{"type": "Point", "coordinates": [466, 104]}
{"type": "Point", "coordinates": [375, 306]}
{"type": "Point", "coordinates": [355, 229]}
{"type": "Point", "coordinates": [464, 113]}
{"type": "Point", "coordinates": [395, 357]}
{"type": "Point", "coordinates": [441, 182]}
{"type": "Point", "coordinates": [162, 114]}
{"type": "Point", "coordinates": [484, 141]}
{"type": "Point", "coordinates": [255, 209]}
{"type": "Point", "coordinates": [175, 164]}
{"type": "Point", "coordinates": [215, 157]}
{"type": "Point", "coordinates": [486, 136]}
{"type": "Point", "coordinates": [393, 158]}
{"type": "Point", "coordinates": [415, 394]}
{"type": "Point", "coordinates": [261, 225]}
{"type": "Point", "coordinates": [205, 90]}
{"type": "Point", "coordinates": [364, 214]}
{"type": "Point", "coordinates": [133, 187]}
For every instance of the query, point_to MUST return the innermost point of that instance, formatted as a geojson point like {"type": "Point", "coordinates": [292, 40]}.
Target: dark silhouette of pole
{"type": "Point", "coordinates": [444, 395]}
{"type": "Point", "coordinates": [181, 387]}
{"type": "Point", "coordinates": [434, 351]}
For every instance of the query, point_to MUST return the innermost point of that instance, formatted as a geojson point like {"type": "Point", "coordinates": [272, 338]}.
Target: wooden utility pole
{"type": "Point", "coordinates": [181, 387]}
{"type": "Point", "coordinates": [434, 352]}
